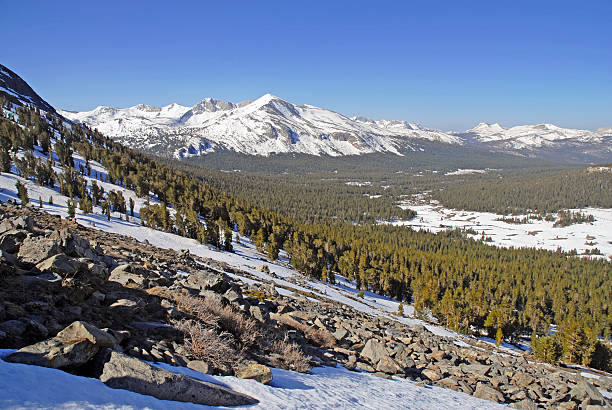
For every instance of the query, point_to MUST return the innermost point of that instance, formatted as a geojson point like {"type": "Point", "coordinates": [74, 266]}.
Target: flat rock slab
{"type": "Point", "coordinates": [125, 372]}
{"type": "Point", "coordinates": [55, 353]}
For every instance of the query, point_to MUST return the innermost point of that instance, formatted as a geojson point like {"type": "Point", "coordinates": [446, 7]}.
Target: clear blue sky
{"type": "Point", "coordinates": [446, 64]}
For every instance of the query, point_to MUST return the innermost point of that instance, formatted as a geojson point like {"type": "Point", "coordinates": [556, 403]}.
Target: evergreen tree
{"type": "Point", "coordinates": [22, 193]}
{"type": "Point", "coordinates": [71, 208]}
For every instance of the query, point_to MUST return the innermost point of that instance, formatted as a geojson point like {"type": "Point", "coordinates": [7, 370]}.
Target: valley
{"type": "Point", "coordinates": [345, 270]}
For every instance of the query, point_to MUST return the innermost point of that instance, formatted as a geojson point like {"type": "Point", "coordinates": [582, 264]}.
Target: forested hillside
{"type": "Point", "coordinates": [466, 284]}
{"type": "Point", "coordinates": [541, 190]}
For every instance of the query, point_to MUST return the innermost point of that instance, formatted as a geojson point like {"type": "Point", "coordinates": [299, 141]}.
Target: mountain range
{"type": "Point", "coordinates": [271, 125]}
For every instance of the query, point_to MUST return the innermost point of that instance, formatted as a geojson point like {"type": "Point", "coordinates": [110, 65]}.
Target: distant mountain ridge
{"type": "Point", "coordinates": [264, 126]}
{"type": "Point", "coordinates": [271, 125]}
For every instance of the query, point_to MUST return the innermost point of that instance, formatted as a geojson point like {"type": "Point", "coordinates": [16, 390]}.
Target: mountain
{"type": "Point", "coordinates": [546, 141]}
{"type": "Point", "coordinates": [270, 125]}
{"type": "Point", "coordinates": [264, 126]}
{"type": "Point", "coordinates": [17, 91]}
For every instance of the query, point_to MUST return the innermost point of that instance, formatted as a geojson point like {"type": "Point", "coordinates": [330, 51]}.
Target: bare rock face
{"type": "Point", "coordinates": [124, 372]}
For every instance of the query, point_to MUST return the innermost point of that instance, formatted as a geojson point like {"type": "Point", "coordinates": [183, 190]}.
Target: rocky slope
{"type": "Point", "coordinates": [17, 91]}
{"type": "Point", "coordinates": [54, 272]}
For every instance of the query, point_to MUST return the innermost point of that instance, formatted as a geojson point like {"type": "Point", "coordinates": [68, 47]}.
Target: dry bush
{"type": "Point", "coordinates": [291, 357]}
{"type": "Point", "coordinates": [320, 337]}
{"type": "Point", "coordinates": [203, 343]}
{"type": "Point", "coordinates": [244, 329]}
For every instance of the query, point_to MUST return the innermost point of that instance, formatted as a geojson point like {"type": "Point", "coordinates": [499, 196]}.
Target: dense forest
{"type": "Point", "coordinates": [466, 284]}
{"type": "Point", "coordinates": [530, 191]}
{"type": "Point", "coordinates": [371, 196]}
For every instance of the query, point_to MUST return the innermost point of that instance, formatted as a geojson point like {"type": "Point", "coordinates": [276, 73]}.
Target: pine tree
{"type": "Point", "coordinates": [5, 160]}
{"type": "Point", "coordinates": [227, 240]}
{"type": "Point", "coordinates": [71, 209]}
{"type": "Point", "coordinates": [499, 337]}
{"type": "Point", "coordinates": [22, 192]}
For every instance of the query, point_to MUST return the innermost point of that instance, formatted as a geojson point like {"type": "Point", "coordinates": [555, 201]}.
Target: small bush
{"type": "Point", "coordinates": [208, 310]}
{"type": "Point", "coordinates": [290, 357]}
{"type": "Point", "coordinates": [204, 343]}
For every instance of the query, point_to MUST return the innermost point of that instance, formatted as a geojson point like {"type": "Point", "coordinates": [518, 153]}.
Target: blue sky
{"type": "Point", "coordinates": [446, 64]}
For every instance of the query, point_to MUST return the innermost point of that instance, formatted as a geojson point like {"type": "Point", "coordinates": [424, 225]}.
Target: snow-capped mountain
{"type": "Point", "coordinates": [264, 126]}
{"type": "Point", "coordinates": [543, 140]}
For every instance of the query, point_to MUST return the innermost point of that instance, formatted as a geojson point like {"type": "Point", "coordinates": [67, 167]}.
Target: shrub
{"type": "Point", "coordinates": [204, 343]}
{"type": "Point", "coordinates": [290, 356]}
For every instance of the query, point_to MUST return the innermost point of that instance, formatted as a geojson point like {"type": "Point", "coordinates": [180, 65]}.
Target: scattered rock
{"type": "Point", "coordinates": [199, 366]}
{"type": "Point", "coordinates": [488, 393]}
{"type": "Point", "coordinates": [124, 372]}
{"type": "Point", "coordinates": [374, 351]}
{"type": "Point", "coordinates": [255, 371]}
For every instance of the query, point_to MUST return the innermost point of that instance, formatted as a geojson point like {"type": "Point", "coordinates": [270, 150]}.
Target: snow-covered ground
{"type": "Point", "coordinates": [538, 234]}
{"type": "Point", "coordinates": [324, 388]}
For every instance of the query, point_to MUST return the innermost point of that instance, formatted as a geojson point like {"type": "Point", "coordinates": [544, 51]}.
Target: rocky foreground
{"type": "Point", "coordinates": [98, 304]}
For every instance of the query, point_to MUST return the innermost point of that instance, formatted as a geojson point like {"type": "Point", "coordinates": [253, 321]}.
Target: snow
{"type": "Point", "coordinates": [538, 234]}
{"type": "Point", "coordinates": [466, 171]}
{"type": "Point", "coordinates": [264, 126]}
{"type": "Point", "coordinates": [526, 136]}
{"type": "Point", "coordinates": [324, 388]}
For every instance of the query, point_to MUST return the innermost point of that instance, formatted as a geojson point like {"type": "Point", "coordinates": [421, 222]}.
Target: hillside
{"type": "Point", "coordinates": [371, 298]}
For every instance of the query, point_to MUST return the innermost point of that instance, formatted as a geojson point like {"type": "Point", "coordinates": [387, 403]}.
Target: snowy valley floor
{"type": "Point", "coordinates": [537, 234]}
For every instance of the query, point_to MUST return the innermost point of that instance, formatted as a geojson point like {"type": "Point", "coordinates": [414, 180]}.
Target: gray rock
{"type": "Point", "coordinates": [72, 347]}
{"type": "Point", "coordinates": [374, 351]}
{"type": "Point", "coordinates": [388, 365]}
{"type": "Point", "coordinates": [585, 391]}
{"type": "Point", "coordinates": [124, 372]}
{"type": "Point", "coordinates": [83, 330]}
{"type": "Point", "coordinates": [476, 369]}
{"type": "Point", "coordinates": [60, 263]}
{"type": "Point", "coordinates": [204, 280]}
{"type": "Point", "coordinates": [199, 366]}
{"type": "Point", "coordinates": [13, 327]}
{"type": "Point", "coordinates": [36, 249]}
{"type": "Point", "coordinates": [431, 375]}
{"type": "Point", "coordinates": [124, 274]}
{"type": "Point", "coordinates": [488, 393]}
{"type": "Point", "coordinates": [55, 353]}
{"type": "Point", "coordinates": [340, 334]}
{"type": "Point", "coordinates": [255, 371]}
